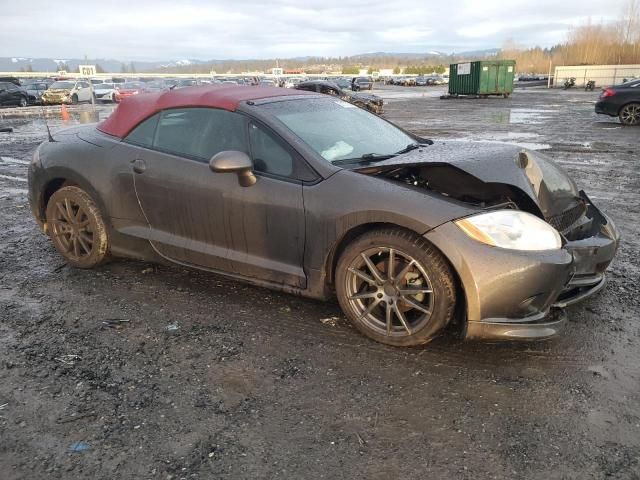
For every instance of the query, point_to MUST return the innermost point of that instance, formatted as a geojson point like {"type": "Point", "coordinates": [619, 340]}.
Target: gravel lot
{"type": "Point", "coordinates": [143, 371]}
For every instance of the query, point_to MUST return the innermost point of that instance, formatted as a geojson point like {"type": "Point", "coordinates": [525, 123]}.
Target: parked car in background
{"type": "Point", "coordinates": [129, 89]}
{"type": "Point", "coordinates": [343, 83]}
{"type": "Point", "coordinates": [423, 81]}
{"type": "Point", "coordinates": [622, 101]}
{"type": "Point", "coordinates": [266, 82]}
{"type": "Point", "coordinates": [155, 85]}
{"type": "Point", "coordinates": [12, 94]}
{"type": "Point", "coordinates": [68, 91]}
{"type": "Point", "coordinates": [370, 102]}
{"type": "Point", "coordinates": [186, 82]}
{"type": "Point", "coordinates": [35, 91]}
{"type": "Point", "coordinates": [361, 83]}
{"type": "Point", "coordinates": [292, 82]}
{"type": "Point", "coordinates": [105, 92]}
{"type": "Point", "coordinates": [14, 80]}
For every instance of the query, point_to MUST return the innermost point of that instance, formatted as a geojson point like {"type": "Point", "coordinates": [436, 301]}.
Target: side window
{"type": "Point", "coordinates": [200, 132]}
{"type": "Point", "coordinates": [143, 134]}
{"type": "Point", "coordinates": [269, 155]}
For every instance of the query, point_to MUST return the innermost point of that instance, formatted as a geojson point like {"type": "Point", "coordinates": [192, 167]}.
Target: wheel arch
{"type": "Point", "coordinates": [61, 177]}
{"type": "Point", "coordinates": [630, 102]}
{"type": "Point", "coordinates": [351, 234]}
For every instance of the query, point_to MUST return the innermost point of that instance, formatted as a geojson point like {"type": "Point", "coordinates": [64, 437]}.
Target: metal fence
{"type": "Point", "coordinates": [603, 75]}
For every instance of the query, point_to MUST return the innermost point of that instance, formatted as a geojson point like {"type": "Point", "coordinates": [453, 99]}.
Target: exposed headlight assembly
{"type": "Point", "coordinates": [511, 229]}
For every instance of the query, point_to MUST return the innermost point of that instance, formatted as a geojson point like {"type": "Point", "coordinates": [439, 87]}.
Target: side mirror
{"type": "Point", "coordinates": [234, 161]}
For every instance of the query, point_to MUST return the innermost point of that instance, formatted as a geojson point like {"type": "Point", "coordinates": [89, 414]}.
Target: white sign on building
{"type": "Point", "coordinates": [87, 70]}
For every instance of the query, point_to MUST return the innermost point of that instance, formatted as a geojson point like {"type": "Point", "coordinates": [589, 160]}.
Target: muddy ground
{"type": "Point", "coordinates": [143, 371]}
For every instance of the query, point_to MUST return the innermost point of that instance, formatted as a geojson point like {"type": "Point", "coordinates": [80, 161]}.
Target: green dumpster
{"type": "Point", "coordinates": [482, 78]}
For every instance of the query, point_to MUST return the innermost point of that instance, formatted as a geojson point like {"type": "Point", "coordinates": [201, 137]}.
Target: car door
{"type": "Point", "coordinates": [84, 91]}
{"type": "Point", "coordinates": [198, 217]}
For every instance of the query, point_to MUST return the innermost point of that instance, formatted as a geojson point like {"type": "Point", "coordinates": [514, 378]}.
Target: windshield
{"type": "Point", "coordinates": [338, 130]}
{"type": "Point", "coordinates": [130, 86]}
{"type": "Point", "coordinates": [66, 85]}
{"type": "Point", "coordinates": [103, 86]}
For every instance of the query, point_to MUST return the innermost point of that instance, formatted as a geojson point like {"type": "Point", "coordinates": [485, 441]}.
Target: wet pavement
{"type": "Point", "coordinates": [143, 371]}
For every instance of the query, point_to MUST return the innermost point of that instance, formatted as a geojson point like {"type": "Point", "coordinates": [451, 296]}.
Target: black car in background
{"type": "Point", "coordinates": [361, 83]}
{"type": "Point", "coordinates": [35, 91]}
{"type": "Point", "coordinates": [622, 101]}
{"type": "Point", "coordinates": [12, 94]}
{"type": "Point", "coordinates": [370, 102]}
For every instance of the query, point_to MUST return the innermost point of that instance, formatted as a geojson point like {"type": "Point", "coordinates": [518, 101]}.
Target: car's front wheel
{"type": "Point", "coordinates": [395, 287]}
{"type": "Point", "coordinates": [23, 102]}
{"type": "Point", "coordinates": [76, 227]}
{"type": "Point", "coordinates": [630, 114]}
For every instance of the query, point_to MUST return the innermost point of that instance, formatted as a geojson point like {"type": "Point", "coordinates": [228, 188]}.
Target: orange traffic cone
{"type": "Point", "coordinates": [64, 113]}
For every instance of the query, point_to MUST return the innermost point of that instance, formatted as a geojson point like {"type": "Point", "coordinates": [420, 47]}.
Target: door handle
{"type": "Point", "coordinates": [139, 166]}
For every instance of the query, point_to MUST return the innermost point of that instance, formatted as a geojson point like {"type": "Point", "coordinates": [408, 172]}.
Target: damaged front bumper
{"type": "Point", "coordinates": [519, 295]}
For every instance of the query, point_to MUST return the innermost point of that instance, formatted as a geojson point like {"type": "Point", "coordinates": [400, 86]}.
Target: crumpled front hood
{"type": "Point", "coordinates": [533, 173]}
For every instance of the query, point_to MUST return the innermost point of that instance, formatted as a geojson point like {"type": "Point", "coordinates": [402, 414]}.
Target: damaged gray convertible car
{"type": "Point", "coordinates": [306, 193]}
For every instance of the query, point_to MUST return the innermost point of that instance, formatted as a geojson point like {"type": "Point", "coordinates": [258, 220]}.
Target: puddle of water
{"type": "Point", "coordinates": [8, 192]}
{"type": "Point", "coordinates": [13, 160]}
{"type": "Point", "coordinates": [527, 145]}
{"type": "Point", "coordinates": [529, 115]}
{"type": "Point", "coordinates": [17, 179]}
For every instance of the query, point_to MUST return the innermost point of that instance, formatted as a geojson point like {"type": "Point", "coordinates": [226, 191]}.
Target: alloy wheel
{"type": "Point", "coordinates": [71, 229]}
{"type": "Point", "coordinates": [390, 291]}
{"type": "Point", "coordinates": [630, 114]}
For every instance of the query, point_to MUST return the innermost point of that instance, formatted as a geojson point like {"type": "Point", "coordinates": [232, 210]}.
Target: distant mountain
{"type": "Point", "coordinates": [412, 55]}
{"type": "Point", "coordinates": [17, 64]}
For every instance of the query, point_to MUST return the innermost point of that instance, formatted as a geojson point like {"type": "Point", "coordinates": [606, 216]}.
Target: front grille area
{"type": "Point", "coordinates": [566, 219]}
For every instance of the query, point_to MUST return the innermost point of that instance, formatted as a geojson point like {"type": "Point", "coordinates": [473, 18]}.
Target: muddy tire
{"type": "Point", "coordinates": [630, 114]}
{"type": "Point", "coordinates": [395, 287]}
{"type": "Point", "coordinates": [76, 228]}
{"type": "Point", "coordinates": [74, 99]}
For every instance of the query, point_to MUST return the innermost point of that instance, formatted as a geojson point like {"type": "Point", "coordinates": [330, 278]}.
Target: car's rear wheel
{"type": "Point", "coordinates": [74, 99]}
{"type": "Point", "coordinates": [395, 287]}
{"type": "Point", "coordinates": [630, 114]}
{"type": "Point", "coordinates": [76, 227]}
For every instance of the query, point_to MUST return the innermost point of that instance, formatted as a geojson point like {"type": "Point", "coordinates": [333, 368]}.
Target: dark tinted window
{"type": "Point", "coordinates": [200, 132]}
{"type": "Point", "coordinates": [143, 134]}
{"type": "Point", "coordinates": [269, 155]}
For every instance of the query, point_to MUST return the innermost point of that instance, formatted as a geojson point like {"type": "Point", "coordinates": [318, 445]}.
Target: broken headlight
{"type": "Point", "coordinates": [511, 229]}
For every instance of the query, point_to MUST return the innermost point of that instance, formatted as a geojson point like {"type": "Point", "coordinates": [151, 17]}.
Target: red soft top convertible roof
{"type": "Point", "coordinates": [134, 109]}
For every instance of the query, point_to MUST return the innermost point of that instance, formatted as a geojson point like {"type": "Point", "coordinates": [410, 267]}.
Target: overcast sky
{"type": "Point", "coordinates": [213, 29]}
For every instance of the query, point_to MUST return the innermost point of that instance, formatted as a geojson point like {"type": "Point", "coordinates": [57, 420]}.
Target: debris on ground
{"type": "Point", "coordinates": [116, 323]}
{"type": "Point", "coordinates": [79, 446]}
{"type": "Point", "coordinates": [331, 321]}
{"type": "Point", "coordinates": [69, 359]}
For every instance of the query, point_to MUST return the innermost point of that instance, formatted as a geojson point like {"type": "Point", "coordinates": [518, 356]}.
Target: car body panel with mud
{"type": "Point", "coordinates": [308, 194]}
